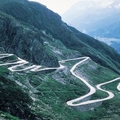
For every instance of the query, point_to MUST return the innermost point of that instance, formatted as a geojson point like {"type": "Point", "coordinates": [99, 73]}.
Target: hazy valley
{"type": "Point", "coordinates": [99, 19]}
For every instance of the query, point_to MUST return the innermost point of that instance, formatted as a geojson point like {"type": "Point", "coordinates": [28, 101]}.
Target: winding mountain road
{"type": "Point", "coordinates": [92, 89]}
{"type": "Point", "coordinates": [75, 102]}
{"type": "Point", "coordinates": [118, 87]}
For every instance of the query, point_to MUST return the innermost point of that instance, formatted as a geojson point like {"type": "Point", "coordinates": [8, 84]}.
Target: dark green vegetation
{"type": "Point", "coordinates": [7, 116]}
{"type": "Point", "coordinates": [35, 33]}
{"type": "Point", "coordinates": [22, 23]}
{"type": "Point", "coordinates": [13, 99]}
{"type": "Point", "coordinates": [18, 38]}
{"type": "Point", "coordinates": [42, 96]}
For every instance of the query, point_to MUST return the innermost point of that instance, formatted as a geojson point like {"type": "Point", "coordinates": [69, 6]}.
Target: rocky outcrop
{"type": "Point", "coordinates": [39, 18]}
{"type": "Point", "coordinates": [23, 41]}
{"type": "Point", "coordinates": [14, 100]}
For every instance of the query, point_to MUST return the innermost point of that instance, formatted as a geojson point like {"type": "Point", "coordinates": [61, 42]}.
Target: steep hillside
{"type": "Point", "coordinates": [23, 41]}
{"type": "Point", "coordinates": [37, 80]}
{"type": "Point", "coordinates": [45, 20]}
{"type": "Point", "coordinates": [42, 95]}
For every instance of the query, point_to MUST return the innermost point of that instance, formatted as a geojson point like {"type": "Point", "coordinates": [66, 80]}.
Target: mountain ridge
{"type": "Point", "coordinates": [37, 35]}
{"type": "Point", "coordinates": [55, 27]}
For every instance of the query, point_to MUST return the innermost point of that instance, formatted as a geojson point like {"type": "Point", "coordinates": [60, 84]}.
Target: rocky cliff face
{"type": "Point", "coordinates": [35, 33]}
{"type": "Point", "coordinates": [24, 22]}
{"type": "Point", "coordinates": [23, 41]}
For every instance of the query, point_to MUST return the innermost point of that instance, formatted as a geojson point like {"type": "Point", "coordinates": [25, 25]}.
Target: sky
{"type": "Point", "coordinates": [58, 6]}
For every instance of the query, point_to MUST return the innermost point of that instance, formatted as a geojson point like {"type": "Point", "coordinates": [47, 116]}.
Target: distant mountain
{"type": "Point", "coordinates": [37, 36]}
{"type": "Point", "coordinates": [96, 18]}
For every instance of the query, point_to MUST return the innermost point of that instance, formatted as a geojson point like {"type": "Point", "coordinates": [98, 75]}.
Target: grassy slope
{"type": "Point", "coordinates": [55, 95]}
{"type": "Point", "coordinates": [98, 74]}
{"type": "Point", "coordinates": [7, 116]}
{"type": "Point", "coordinates": [51, 93]}
{"type": "Point", "coordinates": [45, 19]}
{"type": "Point", "coordinates": [51, 96]}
